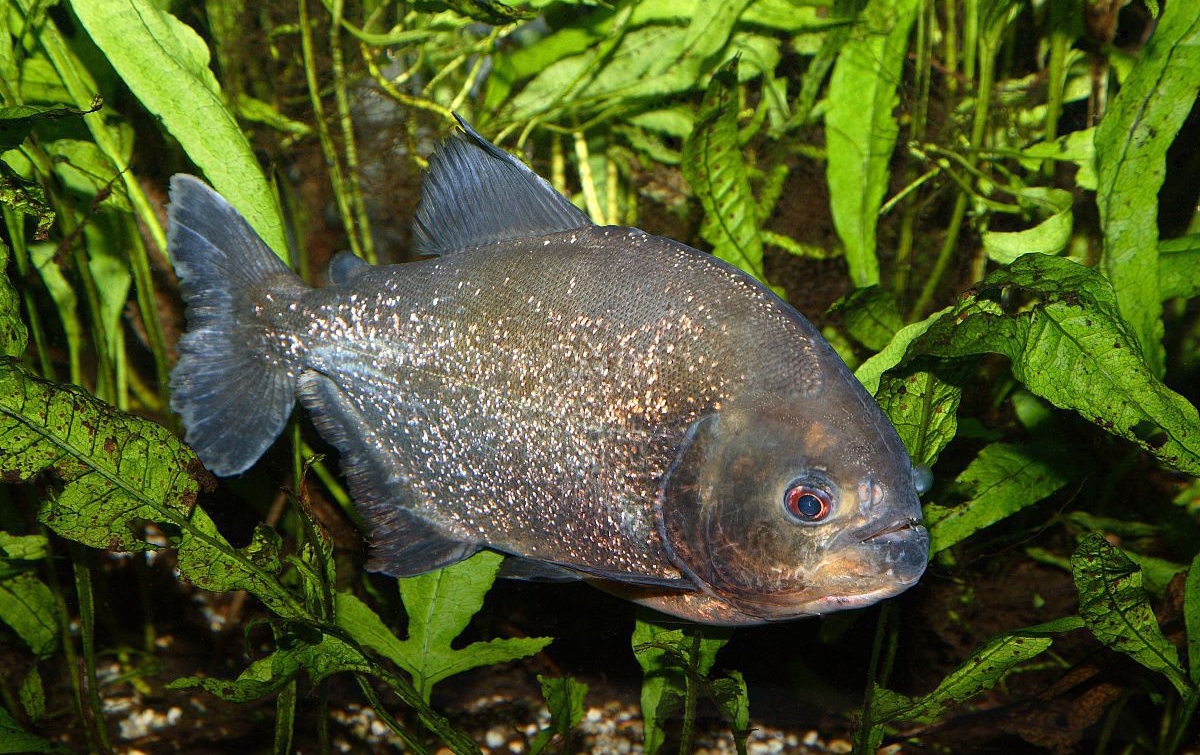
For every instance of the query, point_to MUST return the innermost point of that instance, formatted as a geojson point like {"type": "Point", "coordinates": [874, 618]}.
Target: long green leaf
{"type": "Point", "coordinates": [13, 335]}
{"type": "Point", "coordinates": [1057, 322]}
{"type": "Point", "coordinates": [982, 671]}
{"type": "Point", "coordinates": [1191, 616]}
{"type": "Point", "coordinates": [1117, 609]}
{"type": "Point", "coordinates": [1131, 144]}
{"type": "Point", "coordinates": [861, 130]}
{"type": "Point", "coordinates": [165, 63]}
{"type": "Point", "coordinates": [714, 166]}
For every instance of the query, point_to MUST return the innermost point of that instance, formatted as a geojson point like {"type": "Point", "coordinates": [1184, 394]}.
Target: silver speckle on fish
{"type": "Point", "coordinates": [596, 402]}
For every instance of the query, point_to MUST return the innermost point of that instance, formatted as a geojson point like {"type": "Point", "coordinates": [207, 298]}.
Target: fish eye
{"type": "Point", "coordinates": [806, 502]}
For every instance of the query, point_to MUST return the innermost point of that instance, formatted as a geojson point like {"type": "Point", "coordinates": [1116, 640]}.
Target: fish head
{"type": "Point", "coordinates": [782, 511]}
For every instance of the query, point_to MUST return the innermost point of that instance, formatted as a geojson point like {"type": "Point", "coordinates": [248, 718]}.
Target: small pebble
{"type": "Point", "coordinates": [494, 738]}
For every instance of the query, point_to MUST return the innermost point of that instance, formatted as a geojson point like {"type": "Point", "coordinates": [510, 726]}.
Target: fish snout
{"type": "Point", "coordinates": [900, 548]}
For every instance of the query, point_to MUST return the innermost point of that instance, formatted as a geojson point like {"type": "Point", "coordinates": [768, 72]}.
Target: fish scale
{"type": "Point", "coordinates": [596, 402]}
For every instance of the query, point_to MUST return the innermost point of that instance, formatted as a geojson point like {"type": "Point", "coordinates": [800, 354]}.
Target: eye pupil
{"type": "Point", "coordinates": [807, 503]}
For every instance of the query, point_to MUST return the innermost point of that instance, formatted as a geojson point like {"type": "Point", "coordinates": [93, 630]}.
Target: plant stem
{"type": "Point", "coordinates": [987, 70]}
{"type": "Point", "coordinates": [349, 145]}
{"type": "Point", "coordinates": [328, 149]}
{"type": "Point", "coordinates": [94, 709]}
{"type": "Point", "coordinates": [688, 733]}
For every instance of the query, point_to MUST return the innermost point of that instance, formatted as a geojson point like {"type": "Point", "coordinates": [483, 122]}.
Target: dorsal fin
{"type": "Point", "coordinates": [476, 193]}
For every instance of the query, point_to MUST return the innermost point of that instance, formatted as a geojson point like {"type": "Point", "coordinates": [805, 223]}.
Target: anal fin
{"type": "Point", "coordinates": [403, 542]}
{"type": "Point", "coordinates": [535, 570]}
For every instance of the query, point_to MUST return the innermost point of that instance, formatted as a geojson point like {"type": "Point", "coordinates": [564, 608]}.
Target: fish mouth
{"type": "Point", "coordinates": [895, 531]}
{"type": "Point", "coordinates": [900, 548]}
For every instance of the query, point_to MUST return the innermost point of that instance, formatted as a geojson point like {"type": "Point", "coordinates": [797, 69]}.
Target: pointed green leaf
{"type": "Point", "coordinates": [871, 371]}
{"type": "Point", "coordinates": [564, 699]}
{"type": "Point", "coordinates": [165, 64]}
{"type": "Point", "coordinates": [1002, 480]}
{"type": "Point", "coordinates": [982, 671]}
{"type": "Point", "coordinates": [871, 316]}
{"type": "Point", "coordinates": [439, 606]}
{"type": "Point", "coordinates": [667, 656]}
{"type": "Point", "coordinates": [28, 607]}
{"type": "Point", "coordinates": [714, 166]}
{"type": "Point", "coordinates": [1057, 322]}
{"type": "Point", "coordinates": [1131, 144]}
{"type": "Point", "coordinates": [328, 655]}
{"type": "Point", "coordinates": [861, 129]}
{"type": "Point", "coordinates": [1048, 236]}
{"type": "Point", "coordinates": [1116, 608]}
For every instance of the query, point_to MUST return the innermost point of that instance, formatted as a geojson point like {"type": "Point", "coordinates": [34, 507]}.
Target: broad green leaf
{"type": "Point", "coordinates": [117, 470]}
{"type": "Point", "coordinates": [982, 671]}
{"type": "Point", "coordinates": [871, 371]}
{"type": "Point", "coordinates": [1191, 617]}
{"type": "Point", "coordinates": [710, 26]}
{"type": "Point", "coordinates": [1002, 480]}
{"type": "Point", "coordinates": [714, 166]}
{"type": "Point", "coordinates": [1117, 610]}
{"type": "Point", "coordinates": [1050, 236]}
{"type": "Point", "coordinates": [871, 316]}
{"type": "Point", "coordinates": [1131, 145]}
{"type": "Point", "coordinates": [16, 741]}
{"type": "Point", "coordinates": [667, 657]}
{"type": "Point", "coordinates": [165, 64]}
{"type": "Point", "coordinates": [1078, 147]}
{"type": "Point", "coordinates": [28, 607]}
{"type": "Point", "coordinates": [861, 130]}
{"type": "Point", "coordinates": [627, 60]}
{"type": "Point", "coordinates": [564, 699]}
{"type": "Point", "coordinates": [118, 473]}
{"type": "Point", "coordinates": [13, 335]}
{"type": "Point", "coordinates": [922, 402]}
{"type": "Point", "coordinates": [1057, 322]}
{"type": "Point", "coordinates": [439, 606]}
{"type": "Point", "coordinates": [1179, 267]}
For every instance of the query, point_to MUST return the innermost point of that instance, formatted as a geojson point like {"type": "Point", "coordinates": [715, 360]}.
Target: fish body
{"type": "Point", "coordinates": [601, 403]}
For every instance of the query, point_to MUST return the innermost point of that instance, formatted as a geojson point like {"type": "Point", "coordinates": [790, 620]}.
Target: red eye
{"type": "Point", "coordinates": [807, 503]}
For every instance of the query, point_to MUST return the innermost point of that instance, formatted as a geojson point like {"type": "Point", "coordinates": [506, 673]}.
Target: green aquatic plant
{"type": "Point", "coordinates": [1045, 388]}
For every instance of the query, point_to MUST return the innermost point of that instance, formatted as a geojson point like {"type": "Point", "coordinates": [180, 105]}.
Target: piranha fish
{"type": "Point", "coordinates": [596, 402]}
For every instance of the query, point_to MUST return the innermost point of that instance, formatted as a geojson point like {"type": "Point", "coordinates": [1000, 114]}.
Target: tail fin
{"type": "Point", "coordinates": [233, 397]}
